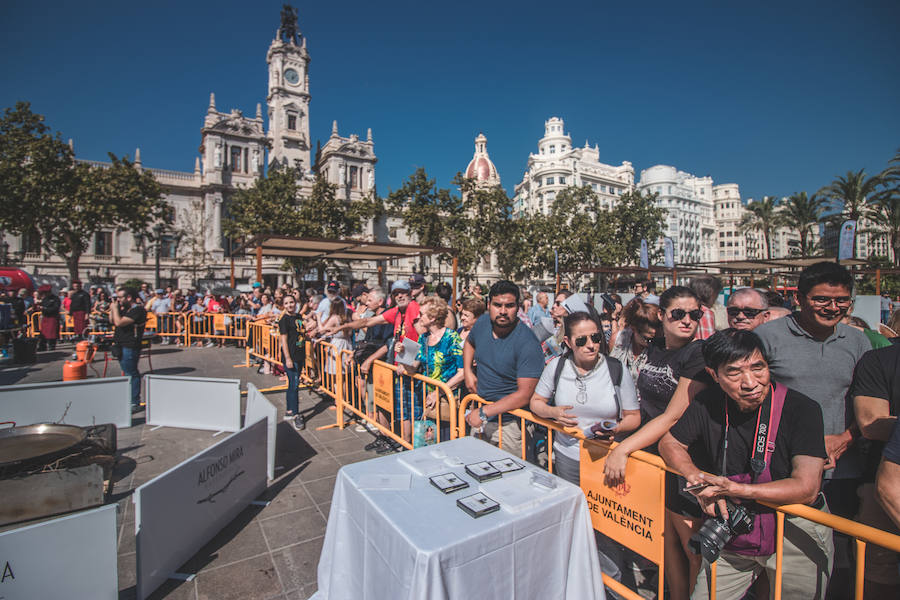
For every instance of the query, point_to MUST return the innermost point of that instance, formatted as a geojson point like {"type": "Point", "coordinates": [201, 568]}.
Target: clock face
{"type": "Point", "coordinates": [291, 76]}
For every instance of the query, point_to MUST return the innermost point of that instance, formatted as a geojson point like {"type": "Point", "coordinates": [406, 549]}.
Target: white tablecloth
{"type": "Point", "coordinates": [417, 544]}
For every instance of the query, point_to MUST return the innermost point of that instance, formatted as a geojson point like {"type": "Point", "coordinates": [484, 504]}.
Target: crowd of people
{"type": "Point", "coordinates": [761, 400]}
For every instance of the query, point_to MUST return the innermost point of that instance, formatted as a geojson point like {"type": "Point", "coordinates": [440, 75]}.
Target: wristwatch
{"type": "Point", "coordinates": [482, 416]}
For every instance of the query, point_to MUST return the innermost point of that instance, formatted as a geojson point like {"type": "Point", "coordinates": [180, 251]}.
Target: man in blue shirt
{"type": "Point", "coordinates": [508, 360]}
{"type": "Point", "coordinates": [540, 309]}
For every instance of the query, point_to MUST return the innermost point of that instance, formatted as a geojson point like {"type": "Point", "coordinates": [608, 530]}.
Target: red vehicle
{"type": "Point", "coordinates": [16, 279]}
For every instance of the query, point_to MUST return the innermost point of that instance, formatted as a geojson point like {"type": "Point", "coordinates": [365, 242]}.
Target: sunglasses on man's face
{"type": "Point", "coordinates": [595, 337]}
{"type": "Point", "coordinates": [678, 314]}
{"type": "Point", "coordinates": [750, 313]}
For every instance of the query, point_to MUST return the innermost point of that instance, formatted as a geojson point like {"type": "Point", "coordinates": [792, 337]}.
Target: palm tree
{"type": "Point", "coordinates": [801, 213]}
{"type": "Point", "coordinates": [852, 193]}
{"type": "Point", "coordinates": [885, 209]}
{"type": "Point", "coordinates": [763, 217]}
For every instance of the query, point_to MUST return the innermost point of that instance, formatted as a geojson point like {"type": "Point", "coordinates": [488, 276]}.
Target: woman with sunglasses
{"type": "Point", "coordinates": [631, 344]}
{"type": "Point", "coordinates": [672, 362]}
{"type": "Point", "coordinates": [582, 395]}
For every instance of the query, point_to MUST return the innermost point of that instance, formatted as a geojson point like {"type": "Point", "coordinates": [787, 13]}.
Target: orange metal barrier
{"type": "Point", "coordinates": [386, 381]}
{"type": "Point", "coordinates": [216, 326]}
{"type": "Point", "coordinates": [862, 534]}
{"type": "Point", "coordinates": [263, 342]}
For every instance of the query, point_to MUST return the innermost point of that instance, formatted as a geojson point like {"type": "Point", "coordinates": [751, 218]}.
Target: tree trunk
{"type": "Point", "coordinates": [768, 244]}
{"type": "Point", "coordinates": [72, 264]}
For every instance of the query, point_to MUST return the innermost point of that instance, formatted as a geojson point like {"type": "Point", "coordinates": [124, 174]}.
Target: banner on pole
{"type": "Point", "coordinates": [556, 261]}
{"type": "Point", "coordinates": [669, 248]}
{"type": "Point", "coordinates": [645, 258]}
{"type": "Point", "coordinates": [848, 238]}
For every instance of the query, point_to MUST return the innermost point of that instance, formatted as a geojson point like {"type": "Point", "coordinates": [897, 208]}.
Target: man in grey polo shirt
{"type": "Point", "coordinates": [815, 354]}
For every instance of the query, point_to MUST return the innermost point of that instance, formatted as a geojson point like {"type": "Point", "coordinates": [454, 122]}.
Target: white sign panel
{"type": "Point", "coordinates": [868, 308]}
{"type": "Point", "coordinates": [84, 403]}
{"type": "Point", "coordinates": [69, 557]}
{"type": "Point", "coordinates": [193, 402]}
{"type": "Point", "coordinates": [260, 408]}
{"type": "Point", "coordinates": [182, 509]}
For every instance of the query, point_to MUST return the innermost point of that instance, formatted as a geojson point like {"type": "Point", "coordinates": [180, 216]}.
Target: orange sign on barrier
{"type": "Point", "coordinates": [383, 385]}
{"type": "Point", "coordinates": [633, 513]}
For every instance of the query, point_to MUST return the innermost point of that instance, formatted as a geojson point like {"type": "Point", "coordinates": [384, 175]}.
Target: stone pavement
{"type": "Point", "coordinates": [266, 552]}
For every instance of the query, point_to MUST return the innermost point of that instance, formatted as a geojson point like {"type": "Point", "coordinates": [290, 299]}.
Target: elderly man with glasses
{"type": "Point", "coordinates": [747, 309]}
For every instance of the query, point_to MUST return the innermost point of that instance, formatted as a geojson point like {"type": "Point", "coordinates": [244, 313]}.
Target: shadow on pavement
{"type": "Point", "coordinates": [173, 370]}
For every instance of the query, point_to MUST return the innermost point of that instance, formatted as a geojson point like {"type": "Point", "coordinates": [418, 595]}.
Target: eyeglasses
{"type": "Point", "coordinates": [823, 301]}
{"type": "Point", "coordinates": [557, 303]}
{"type": "Point", "coordinates": [750, 313]}
{"type": "Point", "coordinates": [582, 340]}
{"type": "Point", "coordinates": [678, 314]}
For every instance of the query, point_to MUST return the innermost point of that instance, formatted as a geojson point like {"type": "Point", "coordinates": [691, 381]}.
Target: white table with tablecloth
{"type": "Point", "coordinates": [416, 543]}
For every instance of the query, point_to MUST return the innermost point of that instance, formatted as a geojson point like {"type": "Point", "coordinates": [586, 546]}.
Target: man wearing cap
{"type": "Point", "coordinates": [402, 316]}
{"type": "Point", "coordinates": [79, 307]}
{"type": "Point", "coordinates": [332, 294]}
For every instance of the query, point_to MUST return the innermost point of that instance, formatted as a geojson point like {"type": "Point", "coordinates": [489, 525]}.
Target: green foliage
{"type": "Point", "coordinates": [801, 213]}
{"type": "Point", "coordinates": [851, 192]}
{"type": "Point", "coordinates": [43, 189]}
{"type": "Point", "coordinates": [134, 283]}
{"type": "Point", "coordinates": [425, 209]}
{"type": "Point", "coordinates": [762, 217]}
{"type": "Point", "coordinates": [884, 210]}
{"type": "Point", "coordinates": [637, 217]}
{"type": "Point", "coordinates": [273, 205]}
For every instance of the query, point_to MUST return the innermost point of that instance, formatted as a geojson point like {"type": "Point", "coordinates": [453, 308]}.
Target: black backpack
{"type": "Point", "coordinates": [615, 373]}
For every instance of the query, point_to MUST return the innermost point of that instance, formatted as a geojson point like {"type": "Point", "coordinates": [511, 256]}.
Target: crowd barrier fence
{"type": "Point", "coordinates": [388, 383]}
{"type": "Point", "coordinates": [862, 534]}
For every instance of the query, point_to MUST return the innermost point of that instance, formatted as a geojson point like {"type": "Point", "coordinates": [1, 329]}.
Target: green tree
{"type": "Point", "coordinates": [884, 210]}
{"type": "Point", "coordinates": [801, 213]}
{"type": "Point", "coordinates": [580, 229]}
{"type": "Point", "coordinates": [636, 217]}
{"type": "Point", "coordinates": [44, 190]}
{"type": "Point", "coordinates": [485, 225]}
{"type": "Point", "coordinates": [426, 210]}
{"type": "Point", "coordinates": [269, 206]}
{"type": "Point", "coordinates": [763, 217]}
{"type": "Point", "coordinates": [851, 192]}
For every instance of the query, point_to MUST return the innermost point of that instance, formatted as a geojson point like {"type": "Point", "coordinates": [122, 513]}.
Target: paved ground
{"type": "Point", "coordinates": [266, 552]}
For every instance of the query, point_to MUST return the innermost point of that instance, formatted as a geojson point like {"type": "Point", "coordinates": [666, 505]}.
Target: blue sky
{"type": "Point", "coordinates": [777, 97]}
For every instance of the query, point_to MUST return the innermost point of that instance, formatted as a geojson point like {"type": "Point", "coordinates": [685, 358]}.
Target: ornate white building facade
{"type": "Point", "coordinates": [232, 154]}
{"type": "Point", "coordinates": [558, 165]}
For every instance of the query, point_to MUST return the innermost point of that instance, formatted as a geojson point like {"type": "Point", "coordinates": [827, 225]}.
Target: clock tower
{"type": "Point", "coordinates": [288, 97]}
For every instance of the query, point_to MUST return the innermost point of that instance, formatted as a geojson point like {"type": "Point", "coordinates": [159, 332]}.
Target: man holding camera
{"type": "Point", "coordinates": [129, 319]}
{"type": "Point", "coordinates": [765, 443]}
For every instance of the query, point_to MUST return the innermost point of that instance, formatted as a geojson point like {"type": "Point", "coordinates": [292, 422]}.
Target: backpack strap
{"type": "Point", "coordinates": [615, 373]}
{"type": "Point", "coordinates": [560, 365]}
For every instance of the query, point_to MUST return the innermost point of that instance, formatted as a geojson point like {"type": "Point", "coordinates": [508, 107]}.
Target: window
{"type": "Point", "coordinates": [354, 177]}
{"type": "Point", "coordinates": [552, 149]}
{"type": "Point", "coordinates": [167, 247]}
{"type": "Point", "coordinates": [594, 186]}
{"type": "Point", "coordinates": [292, 122]}
{"type": "Point", "coordinates": [235, 158]}
{"type": "Point", "coordinates": [392, 232]}
{"type": "Point", "coordinates": [670, 189]}
{"type": "Point", "coordinates": [603, 188]}
{"type": "Point", "coordinates": [103, 243]}
{"type": "Point", "coordinates": [562, 181]}
{"type": "Point", "coordinates": [549, 181]}
{"type": "Point", "coordinates": [31, 242]}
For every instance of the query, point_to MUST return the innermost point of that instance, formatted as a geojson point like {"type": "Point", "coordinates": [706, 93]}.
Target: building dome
{"type": "Point", "coordinates": [481, 168]}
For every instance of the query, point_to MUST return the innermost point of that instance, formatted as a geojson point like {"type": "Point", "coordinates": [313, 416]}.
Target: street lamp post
{"type": "Point", "coordinates": [158, 229]}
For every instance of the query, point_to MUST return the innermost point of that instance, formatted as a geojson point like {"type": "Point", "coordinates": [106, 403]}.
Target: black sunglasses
{"type": "Point", "coordinates": [595, 337]}
{"type": "Point", "coordinates": [750, 313]}
{"type": "Point", "coordinates": [678, 314]}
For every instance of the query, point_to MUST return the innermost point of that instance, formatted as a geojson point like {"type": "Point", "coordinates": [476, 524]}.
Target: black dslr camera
{"type": "Point", "coordinates": [717, 531]}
